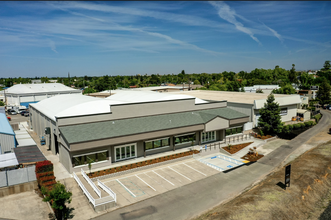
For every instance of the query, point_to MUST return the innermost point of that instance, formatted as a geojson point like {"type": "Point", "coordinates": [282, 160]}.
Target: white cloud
{"type": "Point", "coordinates": [52, 45]}
{"type": "Point", "coordinates": [226, 13]}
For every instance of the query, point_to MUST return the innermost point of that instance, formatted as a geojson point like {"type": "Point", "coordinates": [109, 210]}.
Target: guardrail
{"type": "Point", "coordinates": [238, 138]}
{"type": "Point", "coordinates": [107, 189]}
{"type": "Point", "coordinates": [90, 198]}
{"type": "Point", "coordinates": [94, 187]}
{"type": "Point", "coordinates": [100, 201]}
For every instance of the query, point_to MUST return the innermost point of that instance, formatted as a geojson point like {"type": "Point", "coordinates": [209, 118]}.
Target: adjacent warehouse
{"type": "Point", "coordinates": [7, 136]}
{"type": "Point", "coordinates": [251, 103]}
{"type": "Point", "coordinates": [24, 94]}
{"type": "Point", "coordinates": [128, 124]}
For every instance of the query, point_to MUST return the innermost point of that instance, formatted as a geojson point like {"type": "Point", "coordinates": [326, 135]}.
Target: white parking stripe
{"type": "Point", "coordinates": [125, 187]}
{"type": "Point", "coordinates": [194, 169]}
{"type": "Point", "coordinates": [180, 174]}
{"type": "Point", "coordinates": [145, 182]}
{"type": "Point", "coordinates": [163, 178]}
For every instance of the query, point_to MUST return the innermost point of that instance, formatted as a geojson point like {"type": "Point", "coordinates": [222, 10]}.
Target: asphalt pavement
{"type": "Point", "coordinates": [193, 199]}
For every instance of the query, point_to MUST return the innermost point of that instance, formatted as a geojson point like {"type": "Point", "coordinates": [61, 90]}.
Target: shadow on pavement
{"type": "Point", "coordinates": [234, 168]}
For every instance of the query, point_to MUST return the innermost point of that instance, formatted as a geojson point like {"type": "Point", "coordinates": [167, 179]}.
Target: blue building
{"type": "Point", "coordinates": [7, 136]}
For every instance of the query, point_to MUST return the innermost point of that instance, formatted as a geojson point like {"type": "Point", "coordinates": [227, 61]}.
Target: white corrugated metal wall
{"type": "Point", "coordinates": [7, 143]}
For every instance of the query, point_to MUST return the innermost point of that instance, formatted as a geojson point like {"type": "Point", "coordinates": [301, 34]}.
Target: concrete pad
{"type": "Point", "coordinates": [192, 174]}
{"type": "Point", "coordinates": [202, 168]}
{"type": "Point", "coordinates": [175, 178]}
{"type": "Point", "coordinates": [26, 205]}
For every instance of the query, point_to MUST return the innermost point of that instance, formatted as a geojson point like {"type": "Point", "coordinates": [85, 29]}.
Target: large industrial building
{"type": "Point", "coordinates": [251, 103]}
{"type": "Point", "coordinates": [129, 124]}
{"type": "Point", "coordinates": [24, 94]}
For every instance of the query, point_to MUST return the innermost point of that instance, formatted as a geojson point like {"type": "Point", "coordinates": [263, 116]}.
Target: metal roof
{"type": "Point", "coordinates": [39, 88]}
{"type": "Point", "coordinates": [8, 160]}
{"type": "Point", "coordinates": [28, 154]}
{"type": "Point", "coordinates": [77, 104]}
{"type": "Point", "coordinates": [5, 127]}
{"type": "Point", "coordinates": [123, 127]}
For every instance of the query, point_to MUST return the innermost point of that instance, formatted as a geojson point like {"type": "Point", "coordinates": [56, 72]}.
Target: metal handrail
{"type": "Point", "coordinates": [94, 187]}
{"type": "Point", "coordinates": [90, 198]}
{"type": "Point", "coordinates": [107, 189]}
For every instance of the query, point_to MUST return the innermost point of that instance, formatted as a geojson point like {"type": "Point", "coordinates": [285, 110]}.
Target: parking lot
{"type": "Point", "coordinates": [222, 162]}
{"type": "Point", "coordinates": [17, 118]}
{"type": "Point", "coordinates": [140, 185]}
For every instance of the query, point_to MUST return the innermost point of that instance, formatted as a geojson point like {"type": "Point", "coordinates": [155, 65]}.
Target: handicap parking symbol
{"type": "Point", "coordinates": [229, 166]}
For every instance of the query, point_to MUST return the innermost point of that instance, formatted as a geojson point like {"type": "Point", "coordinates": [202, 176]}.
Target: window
{"type": "Point", "coordinates": [186, 138]}
{"type": "Point", "coordinates": [208, 136]}
{"type": "Point", "coordinates": [92, 157]}
{"type": "Point", "coordinates": [283, 111]}
{"type": "Point", "coordinates": [157, 143]}
{"type": "Point", "coordinates": [232, 131]}
{"type": "Point", "coordinates": [125, 152]}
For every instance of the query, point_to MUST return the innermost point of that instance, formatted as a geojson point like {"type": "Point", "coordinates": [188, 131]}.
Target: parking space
{"type": "Point", "coordinates": [140, 185]}
{"type": "Point", "coordinates": [221, 162]}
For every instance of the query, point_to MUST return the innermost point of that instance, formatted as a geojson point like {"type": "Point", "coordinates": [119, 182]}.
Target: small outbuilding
{"type": "Point", "coordinates": [303, 113]}
{"type": "Point", "coordinates": [7, 136]}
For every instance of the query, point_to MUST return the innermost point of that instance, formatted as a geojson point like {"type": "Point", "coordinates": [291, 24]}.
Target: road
{"type": "Point", "coordinates": [194, 199]}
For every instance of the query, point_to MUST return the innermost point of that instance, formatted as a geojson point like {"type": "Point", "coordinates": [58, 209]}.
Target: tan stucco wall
{"type": "Point", "coordinates": [217, 124]}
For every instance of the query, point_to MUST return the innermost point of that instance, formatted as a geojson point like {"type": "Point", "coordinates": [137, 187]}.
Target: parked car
{"type": "Point", "coordinates": [9, 118]}
{"type": "Point", "coordinates": [23, 112]}
{"type": "Point", "coordinates": [27, 114]}
{"type": "Point", "coordinates": [12, 112]}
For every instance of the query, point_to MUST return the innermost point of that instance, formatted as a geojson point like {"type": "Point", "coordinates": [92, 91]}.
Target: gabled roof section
{"type": "Point", "coordinates": [131, 126]}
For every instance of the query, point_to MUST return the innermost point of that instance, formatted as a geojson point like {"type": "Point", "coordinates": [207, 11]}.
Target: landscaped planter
{"type": "Point", "coordinates": [140, 164]}
{"type": "Point", "coordinates": [232, 149]}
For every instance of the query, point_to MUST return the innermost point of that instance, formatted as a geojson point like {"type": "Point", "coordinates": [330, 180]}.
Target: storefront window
{"type": "Point", "coordinates": [92, 157]}
{"type": "Point", "coordinates": [208, 136]}
{"type": "Point", "coordinates": [184, 139]}
{"type": "Point", "coordinates": [232, 131]}
{"type": "Point", "coordinates": [125, 152]}
{"type": "Point", "coordinates": [157, 143]}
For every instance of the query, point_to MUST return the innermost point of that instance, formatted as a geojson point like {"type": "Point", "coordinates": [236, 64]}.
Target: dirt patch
{"type": "Point", "coordinates": [306, 198]}
{"type": "Point", "coordinates": [232, 149]}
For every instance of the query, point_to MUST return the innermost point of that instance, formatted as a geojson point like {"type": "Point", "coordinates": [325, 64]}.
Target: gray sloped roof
{"type": "Point", "coordinates": [130, 126]}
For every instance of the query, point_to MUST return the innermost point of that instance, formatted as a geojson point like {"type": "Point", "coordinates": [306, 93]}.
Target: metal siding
{"type": "Point", "coordinates": [7, 142]}
{"type": "Point", "coordinates": [65, 158]}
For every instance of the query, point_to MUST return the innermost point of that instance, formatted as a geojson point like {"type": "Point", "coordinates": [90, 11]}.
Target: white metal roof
{"type": "Point", "coordinates": [39, 88]}
{"type": "Point", "coordinates": [8, 160]}
{"type": "Point", "coordinates": [23, 137]}
{"type": "Point", "coordinates": [77, 104]}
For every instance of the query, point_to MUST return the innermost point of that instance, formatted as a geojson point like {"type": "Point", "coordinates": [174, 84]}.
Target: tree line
{"type": "Point", "coordinates": [224, 81]}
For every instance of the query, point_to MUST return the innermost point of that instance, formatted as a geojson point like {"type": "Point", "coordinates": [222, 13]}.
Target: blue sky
{"type": "Point", "coordinates": [129, 38]}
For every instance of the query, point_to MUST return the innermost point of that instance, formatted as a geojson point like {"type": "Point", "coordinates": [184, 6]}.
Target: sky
{"type": "Point", "coordinates": [136, 37]}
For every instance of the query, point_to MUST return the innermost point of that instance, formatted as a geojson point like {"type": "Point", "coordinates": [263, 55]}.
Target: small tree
{"type": "Point", "coordinates": [2, 103]}
{"type": "Point", "coordinates": [90, 165]}
{"type": "Point", "coordinates": [270, 120]}
{"type": "Point", "coordinates": [58, 197]}
{"type": "Point", "coordinates": [259, 91]}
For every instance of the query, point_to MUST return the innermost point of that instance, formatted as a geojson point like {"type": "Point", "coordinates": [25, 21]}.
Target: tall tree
{"type": "Point", "coordinates": [58, 197]}
{"type": "Point", "coordinates": [323, 94]}
{"type": "Point", "coordinates": [327, 65]}
{"type": "Point", "coordinates": [293, 75]}
{"type": "Point", "coordinates": [270, 120]}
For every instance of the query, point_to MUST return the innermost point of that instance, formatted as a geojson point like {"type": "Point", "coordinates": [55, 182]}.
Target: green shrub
{"type": "Point", "coordinates": [261, 133]}
{"type": "Point", "coordinates": [317, 117]}
{"type": "Point", "coordinates": [290, 127]}
{"type": "Point", "coordinates": [307, 124]}
{"type": "Point", "coordinates": [296, 126]}
{"type": "Point", "coordinates": [286, 129]}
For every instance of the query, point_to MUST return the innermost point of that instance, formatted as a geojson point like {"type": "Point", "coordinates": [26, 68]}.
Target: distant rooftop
{"type": "Point", "coordinates": [39, 88]}
{"type": "Point", "coordinates": [5, 127]}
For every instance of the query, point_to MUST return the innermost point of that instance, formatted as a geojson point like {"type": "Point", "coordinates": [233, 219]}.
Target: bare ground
{"type": "Point", "coordinates": [307, 197]}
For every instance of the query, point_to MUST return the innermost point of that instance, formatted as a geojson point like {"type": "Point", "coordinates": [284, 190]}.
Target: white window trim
{"type": "Point", "coordinates": [157, 139]}
{"type": "Point", "coordinates": [182, 136]}
{"type": "Point", "coordinates": [84, 165]}
{"type": "Point", "coordinates": [125, 145]}
{"type": "Point", "coordinates": [283, 110]}
{"type": "Point", "coordinates": [209, 140]}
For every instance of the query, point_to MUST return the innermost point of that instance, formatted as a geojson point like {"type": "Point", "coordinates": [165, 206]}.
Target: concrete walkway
{"type": "Point", "coordinates": [198, 197]}
{"type": "Point", "coordinates": [59, 171]}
